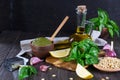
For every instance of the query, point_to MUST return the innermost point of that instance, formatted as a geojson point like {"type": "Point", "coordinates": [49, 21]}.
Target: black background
{"type": "Point", "coordinates": [45, 15]}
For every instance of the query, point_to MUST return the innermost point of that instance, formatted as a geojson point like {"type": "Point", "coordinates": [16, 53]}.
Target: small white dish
{"type": "Point", "coordinates": [100, 42]}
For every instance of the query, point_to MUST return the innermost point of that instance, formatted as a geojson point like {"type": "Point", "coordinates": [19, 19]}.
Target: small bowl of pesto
{"type": "Point", "coordinates": [41, 47]}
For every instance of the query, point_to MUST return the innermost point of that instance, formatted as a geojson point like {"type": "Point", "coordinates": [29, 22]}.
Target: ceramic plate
{"type": "Point", "coordinates": [104, 69]}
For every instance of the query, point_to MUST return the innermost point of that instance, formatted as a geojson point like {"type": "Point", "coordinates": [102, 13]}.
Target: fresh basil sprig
{"type": "Point", "coordinates": [26, 71]}
{"type": "Point", "coordinates": [103, 21]}
{"type": "Point", "coordinates": [84, 52]}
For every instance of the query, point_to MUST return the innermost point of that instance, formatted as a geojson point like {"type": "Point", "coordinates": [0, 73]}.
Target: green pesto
{"type": "Point", "coordinates": [41, 41]}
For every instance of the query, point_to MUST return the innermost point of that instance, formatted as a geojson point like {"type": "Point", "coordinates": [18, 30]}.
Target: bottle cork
{"type": "Point", "coordinates": [81, 8]}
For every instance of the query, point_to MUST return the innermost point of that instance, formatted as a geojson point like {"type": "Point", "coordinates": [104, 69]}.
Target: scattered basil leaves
{"type": "Point", "coordinates": [84, 52]}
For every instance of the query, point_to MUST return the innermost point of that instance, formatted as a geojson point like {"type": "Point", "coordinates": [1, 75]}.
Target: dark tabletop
{"type": "Point", "coordinates": [10, 47]}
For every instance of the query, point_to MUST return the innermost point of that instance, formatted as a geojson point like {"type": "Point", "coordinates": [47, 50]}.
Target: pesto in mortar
{"type": "Point", "coordinates": [41, 41]}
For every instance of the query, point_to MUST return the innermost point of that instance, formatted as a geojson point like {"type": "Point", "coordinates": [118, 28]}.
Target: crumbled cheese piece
{"type": "Point", "coordinates": [50, 68]}
{"type": "Point", "coordinates": [107, 77]}
{"type": "Point", "coordinates": [102, 79]}
{"type": "Point", "coordinates": [70, 78]}
{"type": "Point", "coordinates": [53, 75]}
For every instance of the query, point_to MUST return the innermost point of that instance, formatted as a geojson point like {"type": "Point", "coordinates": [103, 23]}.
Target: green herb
{"type": "Point", "coordinates": [84, 52]}
{"type": "Point", "coordinates": [26, 71]}
{"type": "Point", "coordinates": [103, 21]}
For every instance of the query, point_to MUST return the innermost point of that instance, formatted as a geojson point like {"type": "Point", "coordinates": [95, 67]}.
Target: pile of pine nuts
{"type": "Point", "coordinates": [109, 63]}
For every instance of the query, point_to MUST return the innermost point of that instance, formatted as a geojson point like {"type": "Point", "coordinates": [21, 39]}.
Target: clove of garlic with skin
{"type": "Point", "coordinates": [110, 53]}
{"type": "Point", "coordinates": [35, 60]}
{"type": "Point", "coordinates": [43, 68]}
{"type": "Point", "coordinates": [109, 50]}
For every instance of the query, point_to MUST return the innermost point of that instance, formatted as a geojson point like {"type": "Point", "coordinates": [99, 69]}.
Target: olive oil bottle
{"type": "Point", "coordinates": [81, 22]}
{"type": "Point", "coordinates": [80, 31]}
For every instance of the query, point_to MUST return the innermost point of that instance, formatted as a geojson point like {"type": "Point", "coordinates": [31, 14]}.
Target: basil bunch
{"type": "Point", "coordinates": [84, 52]}
{"type": "Point", "coordinates": [26, 71]}
{"type": "Point", "coordinates": [103, 21]}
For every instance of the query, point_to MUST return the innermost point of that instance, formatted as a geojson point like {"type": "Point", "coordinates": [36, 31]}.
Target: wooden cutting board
{"type": "Point", "coordinates": [61, 64]}
{"type": "Point", "coordinates": [66, 65]}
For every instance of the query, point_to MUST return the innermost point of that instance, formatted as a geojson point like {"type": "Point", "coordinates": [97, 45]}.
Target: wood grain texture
{"type": "Point", "coordinates": [9, 47]}
{"type": "Point", "coordinates": [61, 64]}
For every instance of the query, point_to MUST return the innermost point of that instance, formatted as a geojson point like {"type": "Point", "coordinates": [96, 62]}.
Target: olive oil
{"type": "Point", "coordinates": [81, 22]}
{"type": "Point", "coordinates": [80, 31]}
{"type": "Point", "coordinates": [62, 44]}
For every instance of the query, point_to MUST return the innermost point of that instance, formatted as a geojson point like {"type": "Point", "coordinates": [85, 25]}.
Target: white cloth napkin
{"type": "Point", "coordinates": [25, 44]}
{"type": "Point", "coordinates": [95, 36]}
{"type": "Point", "coordinates": [25, 47]}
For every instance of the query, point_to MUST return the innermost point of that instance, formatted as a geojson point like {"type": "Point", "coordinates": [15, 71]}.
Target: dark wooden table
{"type": "Point", "coordinates": [10, 47]}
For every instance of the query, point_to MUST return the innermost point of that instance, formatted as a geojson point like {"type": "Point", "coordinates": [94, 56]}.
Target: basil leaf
{"type": "Point", "coordinates": [32, 70]}
{"type": "Point", "coordinates": [115, 27]}
{"type": "Point", "coordinates": [109, 26]}
{"type": "Point", "coordinates": [26, 71]}
{"type": "Point", "coordinates": [82, 47]}
{"type": "Point", "coordinates": [74, 44]}
{"type": "Point", "coordinates": [23, 72]}
{"type": "Point", "coordinates": [87, 28]}
{"type": "Point", "coordinates": [87, 56]}
{"type": "Point", "coordinates": [111, 32]}
{"type": "Point", "coordinates": [94, 20]}
{"type": "Point", "coordinates": [113, 24]}
{"type": "Point", "coordinates": [103, 15]}
{"type": "Point", "coordinates": [93, 51]}
{"type": "Point", "coordinates": [92, 60]}
{"type": "Point", "coordinates": [90, 42]}
{"type": "Point", "coordinates": [80, 61]}
{"type": "Point", "coordinates": [73, 54]}
{"type": "Point", "coordinates": [101, 26]}
{"type": "Point", "coordinates": [87, 47]}
{"type": "Point", "coordinates": [100, 13]}
{"type": "Point", "coordinates": [117, 32]}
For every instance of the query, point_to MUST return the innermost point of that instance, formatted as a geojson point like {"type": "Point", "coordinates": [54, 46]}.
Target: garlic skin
{"type": "Point", "coordinates": [43, 68]}
{"type": "Point", "coordinates": [35, 60]}
{"type": "Point", "coordinates": [109, 52]}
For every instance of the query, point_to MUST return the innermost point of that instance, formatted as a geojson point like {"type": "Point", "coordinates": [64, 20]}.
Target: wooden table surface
{"type": "Point", "coordinates": [10, 47]}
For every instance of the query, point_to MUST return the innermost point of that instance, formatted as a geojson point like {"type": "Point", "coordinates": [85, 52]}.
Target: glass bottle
{"type": "Point", "coordinates": [81, 22]}
{"type": "Point", "coordinates": [80, 31]}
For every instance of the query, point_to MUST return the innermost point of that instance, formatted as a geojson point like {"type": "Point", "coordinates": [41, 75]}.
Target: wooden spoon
{"type": "Point", "coordinates": [43, 51]}
{"type": "Point", "coordinates": [59, 27]}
